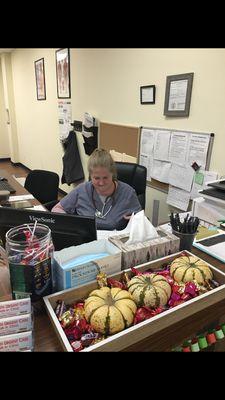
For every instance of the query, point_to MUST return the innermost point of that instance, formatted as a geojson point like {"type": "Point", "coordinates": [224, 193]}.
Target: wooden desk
{"type": "Point", "coordinates": [20, 190]}
{"type": "Point", "coordinates": [47, 340]}
{"type": "Point", "coordinates": [44, 335]}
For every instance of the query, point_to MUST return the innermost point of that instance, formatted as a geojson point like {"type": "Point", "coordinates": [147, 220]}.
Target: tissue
{"type": "Point", "coordinates": [140, 228]}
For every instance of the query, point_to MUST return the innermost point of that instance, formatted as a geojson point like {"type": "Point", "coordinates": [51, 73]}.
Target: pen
{"type": "Point", "coordinates": [189, 225]}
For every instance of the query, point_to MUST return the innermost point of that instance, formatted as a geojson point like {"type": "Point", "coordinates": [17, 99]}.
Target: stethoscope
{"type": "Point", "coordinates": [101, 214]}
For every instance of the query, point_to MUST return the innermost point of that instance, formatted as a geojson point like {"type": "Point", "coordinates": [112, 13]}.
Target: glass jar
{"type": "Point", "coordinates": [5, 287]}
{"type": "Point", "coordinates": [29, 250]}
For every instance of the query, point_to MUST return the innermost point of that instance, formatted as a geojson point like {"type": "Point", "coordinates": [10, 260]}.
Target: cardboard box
{"type": "Point", "coordinates": [145, 329]}
{"type": "Point", "coordinates": [140, 253]}
{"type": "Point", "coordinates": [15, 307]}
{"type": "Point", "coordinates": [69, 272]}
{"type": "Point", "coordinates": [18, 342]}
{"type": "Point", "coordinates": [19, 323]}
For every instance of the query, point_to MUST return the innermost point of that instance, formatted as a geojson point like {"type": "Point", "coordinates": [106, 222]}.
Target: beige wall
{"type": "Point", "coordinates": [4, 141]}
{"type": "Point", "coordinates": [106, 83]}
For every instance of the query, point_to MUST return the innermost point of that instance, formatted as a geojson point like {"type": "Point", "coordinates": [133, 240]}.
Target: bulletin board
{"type": "Point", "coordinates": [121, 138]}
{"type": "Point", "coordinates": [159, 185]}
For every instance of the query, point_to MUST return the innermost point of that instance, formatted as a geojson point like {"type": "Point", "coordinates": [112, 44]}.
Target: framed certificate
{"type": "Point", "coordinates": [178, 95]}
{"type": "Point", "coordinates": [147, 94]}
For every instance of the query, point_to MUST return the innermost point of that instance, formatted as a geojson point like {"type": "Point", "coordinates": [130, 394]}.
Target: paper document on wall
{"type": "Point", "coordinates": [146, 150]}
{"type": "Point", "coordinates": [160, 171]}
{"type": "Point", "coordinates": [178, 93]}
{"type": "Point", "coordinates": [181, 176]}
{"type": "Point", "coordinates": [197, 149]}
{"type": "Point", "coordinates": [147, 141]}
{"type": "Point", "coordinates": [65, 118]}
{"type": "Point", "coordinates": [147, 161]}
{"type": "Point", "coordinates": [201, 184]}
{"type": "Point", "coordinates": [178, 147]}
{"type": "Point", "coordinates": [178, 198]}
{"type": "Point", "coordinates": [88, 122]}
{"type": "Point", "coordinates": [161, 145]}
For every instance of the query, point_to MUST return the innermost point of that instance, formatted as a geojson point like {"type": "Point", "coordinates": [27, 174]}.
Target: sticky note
{"type": "Point", "coordinates": [199, 178]}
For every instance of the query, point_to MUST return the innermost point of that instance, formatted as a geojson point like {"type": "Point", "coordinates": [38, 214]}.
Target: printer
{"type": "Point", "coordinates": [210, 206]}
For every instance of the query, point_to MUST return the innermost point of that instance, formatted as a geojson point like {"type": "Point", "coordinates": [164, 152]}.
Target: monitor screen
{"type": "Point", "coordinates": [67, 230]}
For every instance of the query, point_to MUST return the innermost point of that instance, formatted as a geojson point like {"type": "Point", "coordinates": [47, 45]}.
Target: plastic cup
{"type": "Point", "coordinates": [177, 349]}
{"type": "Point", "coordinates": [202, 342]}
{"type": "Point", "coordinates": [223, 328]}
{"type": "Point", "coordinates": [195, 347]}
{"type": "Point", "coordinates": [186, 347]}
{"type": "Point", "coordinates": [186, 240]}
{"type": "Point", "coordinates": [211, 338]}
{"type": "Point", "coordinates": [219, 333]}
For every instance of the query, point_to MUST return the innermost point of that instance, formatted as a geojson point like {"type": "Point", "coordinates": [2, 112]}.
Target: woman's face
{"type": "Point", "coordinates": [102, 181]}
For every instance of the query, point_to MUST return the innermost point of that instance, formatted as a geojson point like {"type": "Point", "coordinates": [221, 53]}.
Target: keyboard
{"type": "Point", "coordinates": [4, 185]}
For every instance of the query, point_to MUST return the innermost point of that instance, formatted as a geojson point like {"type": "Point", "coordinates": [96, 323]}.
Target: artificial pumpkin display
{"type": "Point", "coordinates": [150, 290]}
{"type": "Point", "coordinates": [185, 269]}
{"type": "Point", "coordinates": [109, 310]}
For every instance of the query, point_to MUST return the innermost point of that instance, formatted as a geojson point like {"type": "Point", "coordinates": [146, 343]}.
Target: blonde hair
{"type": "Point", "coordinates": [102, 158]}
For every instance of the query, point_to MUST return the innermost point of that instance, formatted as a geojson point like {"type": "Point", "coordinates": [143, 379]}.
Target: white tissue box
{"type": "Point", "coordinates": [142, 252]}
{"type": "Point", "coordinates": [69, 272]}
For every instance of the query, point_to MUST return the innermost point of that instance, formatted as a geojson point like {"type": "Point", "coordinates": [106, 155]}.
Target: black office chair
{"type": "Point", "coordinates": [43, 185]}
{"type": "Point", "coordinates": [136, 176]}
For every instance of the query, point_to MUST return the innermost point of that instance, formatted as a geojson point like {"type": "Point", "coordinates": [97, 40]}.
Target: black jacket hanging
{"type": "Point", "coordinates": [72, 166]}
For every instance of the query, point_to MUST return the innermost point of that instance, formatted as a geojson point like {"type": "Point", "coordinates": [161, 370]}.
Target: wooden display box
{"type": "Point", "coordinates": [145, 329]}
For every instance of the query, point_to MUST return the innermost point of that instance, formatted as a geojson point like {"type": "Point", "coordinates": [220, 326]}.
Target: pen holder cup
{"type": "Point", "coordinates": [186, 240]}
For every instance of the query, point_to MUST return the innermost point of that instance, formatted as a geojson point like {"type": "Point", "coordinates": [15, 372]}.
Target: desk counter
{"type": "Point", "coordinates": [20, 190]}
{"type": "Point", "coordinates": [46, 340]}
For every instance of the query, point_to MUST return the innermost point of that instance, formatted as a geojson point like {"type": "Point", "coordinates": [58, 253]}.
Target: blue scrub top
{"type": "Point", "coordinates": [84, 200]}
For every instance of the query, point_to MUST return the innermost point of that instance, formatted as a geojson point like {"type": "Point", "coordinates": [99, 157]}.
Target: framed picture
{"type": "Point", "coordinates": [178, 95]}
{"type": "Point", "coordinates": [147, 94]}
{"type": "Point", "coordinates": [40, 79]}
{"type": "Point", "coordinates": [63, 73]}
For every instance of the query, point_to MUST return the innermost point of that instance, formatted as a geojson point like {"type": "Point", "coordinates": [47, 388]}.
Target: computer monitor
{"type": "Point", "coordinates": [67, 230]}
